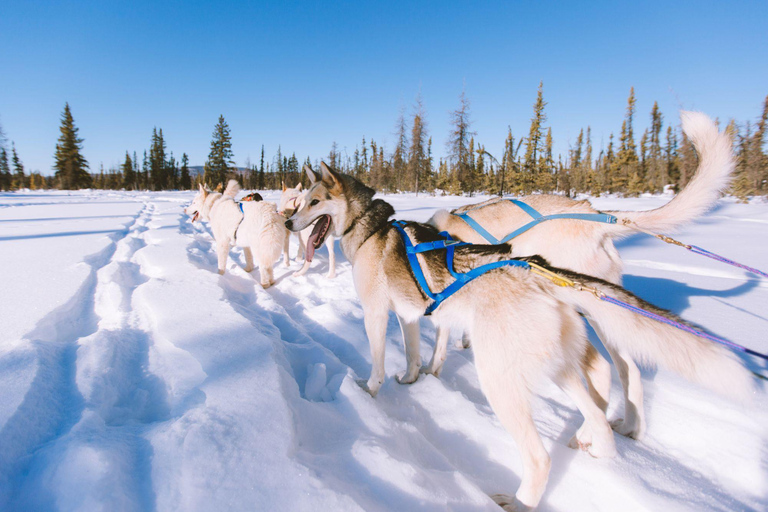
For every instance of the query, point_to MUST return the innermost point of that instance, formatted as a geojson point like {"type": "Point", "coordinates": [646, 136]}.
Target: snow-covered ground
{"type": "Point", "coordinates": [134, 377]}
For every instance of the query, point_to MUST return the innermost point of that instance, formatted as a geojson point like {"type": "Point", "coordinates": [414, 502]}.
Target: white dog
{"type": "Point", "coordinates": [309, 238]}
{"type": "Point", "coordinates": [525, 329]}
{"type": "Point", "coordinates": [587, 247]}
{"type": "Point", "coordinates": [254, 225]}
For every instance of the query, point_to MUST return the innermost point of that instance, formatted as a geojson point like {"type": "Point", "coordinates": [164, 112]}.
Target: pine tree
{"type": "Point", "coordinates": [458, 147]}
{"type": "Point", "coordinates": [626, 163]}
{"type": "Point", "coordinates": [71, 167]}
{"type": "Point", "coordinates": [546, 167]}
{"type": "Point", "coordinates": [185, 182]}
{"type": "Point", "coordinates": [5, 170]}
{"type": "Point", "coordinates": [657, 169]}
{"type": "Point", "coordinates": [531, 164]}
{"type": "Point", "coordinates": [19, 179]}
{"type": "Point", "coordinates": [417, 162]}
{"type": "Point", "coordinates": [400, 157]}
{"type": "Point", "coordinates": [129, 176]}
{"type": "Point", "coordinates": [262, 183]}
{"type": "Point", "coordinates": [220, 157]}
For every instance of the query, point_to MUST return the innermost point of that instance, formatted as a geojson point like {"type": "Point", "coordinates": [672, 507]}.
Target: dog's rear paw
{"type": "Point", "coordinates": [431, 371]}
{"type": "Point", "coordinates": [364, 384]}
{"type": "Point", "coordinates": [267, 284]}
{"type": "Point", "coordinates": [248, 269]}
{"type": "Point", "coordinates": [221, 272]}
{"type": "Point", "coordinates": [633, 430]}
{"type": "Point", "coordinates": [331, 275]}
{"type": "Point", "coordinates": [509, 503]}
{"type": "Point", "coordinates": [405, 378]}
{"type": "Point", "coordinates": [298, 273]}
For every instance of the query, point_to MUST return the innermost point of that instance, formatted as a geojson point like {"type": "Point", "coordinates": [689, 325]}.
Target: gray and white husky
{"type": "Point", "coordinates": [524, 328]}
{"type": "Point", "coordinates": [587, 247]}
{"type": "Point", "coordinates": [258, 229]}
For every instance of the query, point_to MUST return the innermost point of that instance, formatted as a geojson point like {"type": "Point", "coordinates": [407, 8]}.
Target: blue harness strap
{"type": "Point", "coordinates": [537, 219]}
{"type": "Point", "coordinates": [241, 208]}
{"type": "Point", "coordinates": [461, 278]}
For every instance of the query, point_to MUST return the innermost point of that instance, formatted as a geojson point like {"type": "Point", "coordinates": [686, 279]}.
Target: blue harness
{"type": "Point", "coordinates": [537, 219]}
{"type": "Point", "coordinates": [449, 244]}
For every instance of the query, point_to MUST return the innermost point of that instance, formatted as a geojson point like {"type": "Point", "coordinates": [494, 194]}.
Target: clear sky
{"type": "Point", "coordinates": [306, 74]}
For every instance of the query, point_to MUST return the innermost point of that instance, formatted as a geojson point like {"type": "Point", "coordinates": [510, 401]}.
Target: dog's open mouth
{"type": "Point", "coordinates": [195, 216]}
{"type": "Point", "coordinates": [318, 236]}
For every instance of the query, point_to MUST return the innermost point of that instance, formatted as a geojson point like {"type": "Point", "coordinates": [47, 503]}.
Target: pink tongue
{"type": "Point", "coordinates": [310, 252]}
{"type": "Point", "coordinates": [312, 241]}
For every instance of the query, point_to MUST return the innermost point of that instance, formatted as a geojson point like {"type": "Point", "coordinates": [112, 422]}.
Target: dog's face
{"type": "Point", "coordinates": [289, 200]}
{"type": "Point", "coordinates": [196, 207]}
{"type": "Point", "coordinates": [323, 202]}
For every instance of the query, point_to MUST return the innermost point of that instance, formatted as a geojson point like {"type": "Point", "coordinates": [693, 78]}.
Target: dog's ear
{"type": "Point", "coordinates": [330, 178]}
{"type": "Point", "coordinates": [312, 175]}
{"type": "Point", "coordinates": [298, 187]}
{"type": "Point", "coordinates": [219, 187]}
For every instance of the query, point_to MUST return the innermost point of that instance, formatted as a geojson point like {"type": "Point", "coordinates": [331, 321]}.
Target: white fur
{"type": "Point", "coordinates": [525, 330]}
{"type": "Point", "coordinates": [258, 229]}
{"type": "Point", "coordinates": [587, 247]}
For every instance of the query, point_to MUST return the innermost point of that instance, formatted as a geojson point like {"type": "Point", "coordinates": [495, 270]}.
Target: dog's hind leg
{"type": "Point", "coordinates": [438, 355]}
{"type": "Point", "coordinates": [595, 435]}
{"type": "Point", "coordinates": [598, 374]}
{"type": "Point", "coordinates": [511, 401]}
{"type": "Point", "coordinates": [248, 258]}
{"type": "Point", "coordinates": [330, 243]}
{"type": "Point", "coordinates": [222, 252]}
{"type": "Point", "coordinates": [633, 423]}
{"type": "Point", "coordinates": [411, 339]}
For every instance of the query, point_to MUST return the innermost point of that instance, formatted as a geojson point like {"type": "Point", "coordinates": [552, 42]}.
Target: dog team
{"type": "Point", "coordinates": [523, 329]}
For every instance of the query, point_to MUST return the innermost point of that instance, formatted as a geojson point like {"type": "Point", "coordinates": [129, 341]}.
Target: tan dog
{"type": "Point", "coordinates": [587, 247]}
{"type": "Point", "coordinates": [524, 328]}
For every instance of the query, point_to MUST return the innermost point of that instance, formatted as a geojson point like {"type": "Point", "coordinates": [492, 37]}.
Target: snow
{"type": "Point", "coordinates": [133, 377]}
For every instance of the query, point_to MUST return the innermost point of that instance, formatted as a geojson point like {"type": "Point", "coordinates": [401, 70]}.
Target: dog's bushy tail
{"type": "Point", "coordinates": [233, 187]}
{"type": "Point", "coordinates": [712, 178]}
{"type": "Point", "coordinates": [653, 343]}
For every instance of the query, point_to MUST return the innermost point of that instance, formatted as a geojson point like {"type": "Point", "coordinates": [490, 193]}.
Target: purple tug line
{"type": "Point", "coordinates": [703, 252]}
{"type": "Point", "coordinates": [683, 327]}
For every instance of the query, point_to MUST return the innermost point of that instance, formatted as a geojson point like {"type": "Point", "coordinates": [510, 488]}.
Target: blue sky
{"type": "Point", "coordinates": [306, 74]}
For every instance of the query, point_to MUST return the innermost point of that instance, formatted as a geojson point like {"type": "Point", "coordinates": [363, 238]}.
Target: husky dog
{"type": "Point", "coordinates": [202, 204]}
{"type": "Point", "coordinates": [587, 247]}
{"type": "Point", "coordinates": [309, 238]}
{"type": "Point", "coordinates": [258, 229]}
{"type": "Point", "coordinates": [524, 328]}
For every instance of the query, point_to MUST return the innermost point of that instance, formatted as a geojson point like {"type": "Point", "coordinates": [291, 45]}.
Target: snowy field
{"type": "Point", "coordinates": [134, 377]}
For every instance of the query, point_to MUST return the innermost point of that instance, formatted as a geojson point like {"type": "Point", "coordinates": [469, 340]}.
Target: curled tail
{"type": "Point", "coordinates": [654, 343]}
{"type": "Point", "coordinates": [712, 178]}
{"type": "Point", "coordinates": [233, 187]}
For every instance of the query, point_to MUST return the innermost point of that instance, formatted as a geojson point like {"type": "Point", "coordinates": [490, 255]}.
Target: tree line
{"type": "Point", "coordinates": [662, 158]}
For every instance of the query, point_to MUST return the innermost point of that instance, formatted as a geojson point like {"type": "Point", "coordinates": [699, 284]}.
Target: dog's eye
{"type": "Point", "coordinates": [314, 202]}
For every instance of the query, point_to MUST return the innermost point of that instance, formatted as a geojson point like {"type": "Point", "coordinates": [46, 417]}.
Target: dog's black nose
{"type": "Point", "coordinates": [289, 224]}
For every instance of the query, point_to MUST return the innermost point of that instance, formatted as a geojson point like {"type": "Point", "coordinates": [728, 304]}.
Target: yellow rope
{"type": "Point", "coordinates": [564, 281]}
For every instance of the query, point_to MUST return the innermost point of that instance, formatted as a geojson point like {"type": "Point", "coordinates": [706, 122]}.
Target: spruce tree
{"type": "Point", "coordinates": [417, 162]}
{"type": "Point", "coordinates": [71, 167]}
{"type": "Point", "coordinates": [220, 156]}
{"type": "Point", "coordinates": [129, 176]}
{"type": "Point", "coordinates": [262, 184]}
{"type": "Point", "coordinates": [185, 181]}
{"type": "Point", "coordinates": [400, 157]}
{"type": "Point", "coordinates": [5, 170]}
{"type": "Point", "coordinates": [531, 164]}
{"type": "Point", "coordinates": [626, 164]}
{"type": "Point", "coordinates": [458, 147]}
{"type": "Point", "coordinates": [19, 179]}
{"type": "Point", "coordinates": [656, 166]}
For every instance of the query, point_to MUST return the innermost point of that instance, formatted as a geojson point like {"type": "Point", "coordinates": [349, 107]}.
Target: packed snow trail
{"type": "Point", "coordinates": [136, 378]}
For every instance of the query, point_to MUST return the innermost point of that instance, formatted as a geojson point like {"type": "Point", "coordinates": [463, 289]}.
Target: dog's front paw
{"type": "Point", "coordinates": [248, 269]}
{"type": "Point", "coordinates": [331, 275]}
{"type": "Point", "coordinates": [221, 271]}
